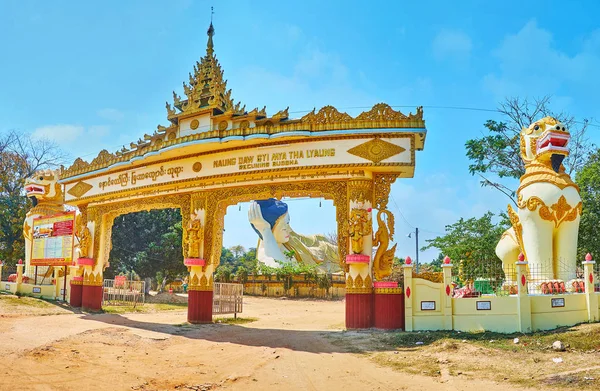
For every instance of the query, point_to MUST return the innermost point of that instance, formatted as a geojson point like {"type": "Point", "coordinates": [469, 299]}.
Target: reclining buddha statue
{"type": "Point", "coordinates": [270, 219]}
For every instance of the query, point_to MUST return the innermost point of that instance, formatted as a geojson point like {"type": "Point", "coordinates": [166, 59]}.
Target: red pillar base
{"type": "Point", "coordinates": [388, 310]}
{"type": "Point", "coordinates": [200, 306]}
{"type": "Point", "coordinates": [75, 297]}
{"type": "Point", "coordinates": [359, 310]}
{"type": "Point", "coordinates": [91, 297]}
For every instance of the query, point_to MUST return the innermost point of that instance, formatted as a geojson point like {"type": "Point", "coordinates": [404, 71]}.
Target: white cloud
{"type": "Point", "coordinates": [77, 140]}
{"type": "Point", "coordinates": [99, 130]}
{"type": "Point", "coordinates": [529, 63]}
{"type": "Point", "coordinates": [451, 44]}
{"type": "Point", "coordinates": [111, 114]}
{"type": "Point", "coordinates": [58, 133]}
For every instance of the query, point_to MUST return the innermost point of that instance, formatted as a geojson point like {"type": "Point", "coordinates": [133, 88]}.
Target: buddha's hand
{"type": "Point", "coordinates": [255, 217]}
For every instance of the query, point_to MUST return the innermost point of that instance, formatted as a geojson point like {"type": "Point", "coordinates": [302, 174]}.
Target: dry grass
{"type": "Point", "coordinates": [145, 308]}
{"type": "Point", "coordinates": [490, 356]}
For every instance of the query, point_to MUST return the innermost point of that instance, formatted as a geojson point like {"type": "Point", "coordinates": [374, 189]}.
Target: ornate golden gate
{"type": "Point", "coordinates": [215, 153]}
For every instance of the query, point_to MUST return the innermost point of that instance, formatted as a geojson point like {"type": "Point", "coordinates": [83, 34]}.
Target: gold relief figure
{"type": "Point", "coordinates": [85, 239]}
{"type": "Point", "coordinates": [194, 239]}
{"type": "Point", "coordinates": [384, 258]}
{"type": "Point", "coordinates": [360, 226]}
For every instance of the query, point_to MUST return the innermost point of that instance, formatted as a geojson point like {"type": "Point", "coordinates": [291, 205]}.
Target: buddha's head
{"type": "Point", "coordinates": [275, 212]}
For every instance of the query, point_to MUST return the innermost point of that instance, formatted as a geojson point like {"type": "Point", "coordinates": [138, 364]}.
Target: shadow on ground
{"type": "Point", "coordinates": [300, 340]}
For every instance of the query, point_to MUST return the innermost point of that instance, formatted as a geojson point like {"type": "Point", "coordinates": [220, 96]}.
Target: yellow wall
{"type": "Point", "coordinates": [544, 317]}
{"type": "Point", "coordinates": [424, 290]}
{"type": "Point", "coordinates": [47, 291]}
{"type": "Point", "coordinates": [502, 317]}
{"type": "Point", "coordinates": [12, 286]}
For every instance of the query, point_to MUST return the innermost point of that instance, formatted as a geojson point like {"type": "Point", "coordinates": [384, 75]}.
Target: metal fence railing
{"type": "Point", "coordinates": [123, 292]}
{"type": "Point", "coordinates": [474, 278]}
{"type": "Point", "coordinates": [7, 271]}
{"type": "Point", "coordinates": [228, 298]}
{"type": "Point", "coordinates": [39, 275]}
{"type": "Point", "coordinates": [555, 279]}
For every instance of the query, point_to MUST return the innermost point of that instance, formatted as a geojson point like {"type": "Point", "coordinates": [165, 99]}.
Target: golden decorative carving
{"type": "Point", "coordinates": [558, 212]}
{"type": "Point", "coordinates": [349, 281]}
{"type": "Point", "coordinates": [381, 112]}
{"type": "Point", "coordinates": [244, 125]}
{"type": "Point", "coordinates": [92, 279]}
{"type": "Point", "coordinates": [541, 173]}
{"type": "Point", "coordinates": [205, 284]}
{"type": "Point", "coordinates": [360, 191]}
{"type": "Point", "coordinates": [360, 291]}
{"type": "Point", "coordinates": [326, 115]}
{"type": "Point", "coordinates": [388, 291]}
{"type": "Point", "coordinates": [517, 227]}
{"type": "Point", "coordinates": [79, 189]}
{"type": "Point", "coordinates": [194, 124]}
{"type": "Point", "coordinates": [360, 226]}
{"type": "Point", "coordinates": [283, 114]}
{"type": "Point", "coordinates": [382, 185]}
{"type": "Point", "coordinates": [223, 125]}
{"type": "Point", "coordinates": [368, 283]}
{"type": "Point", "coordinates": [104, 158]}
{"type": "Point", "coordinates": [196, 167]}
{"type": "Point", "coordinates": [376, 150]}
{"type": "Point", "coordinates": [85, 239]}
{"type": "Point", "coordinates": [358, 282]}
{"type": "Point", "coordinates": [384, 258]}
{"type": "Point", "coordinates": [430, 276]}
{"type": "Point", "coordinates": [193, 239]}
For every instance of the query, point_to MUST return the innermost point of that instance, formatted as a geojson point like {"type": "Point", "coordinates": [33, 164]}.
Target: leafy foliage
{"type": "Point", "coordinates": [149, 243]}
{"type": "Point", "coordinates": [497, 152]}
{"type": "Point", "coordinates": [20, 157]}
{"type": "Point", "coordinates": [471, 243]}
{"type": "Point", "coordinates": [588, 179]}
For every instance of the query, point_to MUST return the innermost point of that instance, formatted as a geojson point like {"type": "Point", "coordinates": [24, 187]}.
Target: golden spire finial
{"type": "Point", "coordinates": [210, 32]}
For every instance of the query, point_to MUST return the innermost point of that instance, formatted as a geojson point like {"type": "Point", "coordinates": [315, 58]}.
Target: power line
{"type": "Point", "coordinates": [408, 223]}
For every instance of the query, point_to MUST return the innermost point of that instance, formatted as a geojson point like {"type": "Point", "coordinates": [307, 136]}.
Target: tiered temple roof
{"type": "Point", "coordinates": [207, 95]}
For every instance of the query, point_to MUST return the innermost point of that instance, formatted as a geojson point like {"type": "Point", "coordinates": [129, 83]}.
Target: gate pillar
{"type": "Point", "coordinates": [200, 295]}
{"type": "Point", "coordinates": [91, 292]}
{"type": "Point", "coordinates": [359, 286]}
{"type": "Point", "coordinates": [92, 250]}
{"type": "Point", "coordinates": [200, 286]}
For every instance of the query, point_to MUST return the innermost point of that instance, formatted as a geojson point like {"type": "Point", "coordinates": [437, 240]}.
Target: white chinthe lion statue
{"type": "Point", "coordinates": [546, 225]}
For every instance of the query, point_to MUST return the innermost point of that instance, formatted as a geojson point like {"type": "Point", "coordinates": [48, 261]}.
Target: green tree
{"type": "Point", "coordinates": [472, 241]}
{"type": "Point", "coordinates": [588, 179]}
{"type": "Point", "coordinates": [436, 264]}
{"type": "Point", "coordinates": [20, 157]}
{"type": "Point", "coordinates": [237, 251]}
{"type": "Point", "coordinates": [148, 242]}
{"type": "Point", "coordinates": [497, 153]}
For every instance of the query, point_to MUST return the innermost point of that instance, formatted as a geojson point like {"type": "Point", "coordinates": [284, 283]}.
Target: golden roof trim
{"type": "Point", "coordinates": [312, 122]}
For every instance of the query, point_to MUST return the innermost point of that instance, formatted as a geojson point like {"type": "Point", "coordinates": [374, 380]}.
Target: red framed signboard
{"type": "Point", "coordinates": [53, 240]}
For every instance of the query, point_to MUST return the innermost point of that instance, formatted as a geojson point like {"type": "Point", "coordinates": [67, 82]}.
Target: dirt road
{"type": "Point", "coordinates": [293, 345]}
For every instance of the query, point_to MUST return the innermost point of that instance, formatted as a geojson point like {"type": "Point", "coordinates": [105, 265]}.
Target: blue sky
{"type": "Point", "coordinates": [100, 73]}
